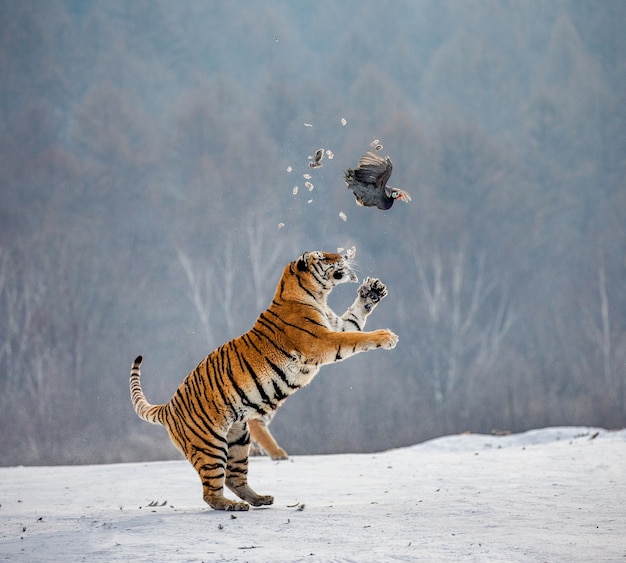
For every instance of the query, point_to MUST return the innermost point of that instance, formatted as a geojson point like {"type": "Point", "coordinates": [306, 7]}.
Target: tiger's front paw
{"type": "Point", "coordinates": [372, 290]}
{"type": "Point", "coordinates": [387, 339]}
{"type": "Point", "coordinates": [278, 453]}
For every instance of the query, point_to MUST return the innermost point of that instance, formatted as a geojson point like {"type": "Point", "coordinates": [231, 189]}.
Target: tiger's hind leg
{"type": "Point", "coordinates": [210, 463]}
{"type": "Point", "coordinates": [237, 466]}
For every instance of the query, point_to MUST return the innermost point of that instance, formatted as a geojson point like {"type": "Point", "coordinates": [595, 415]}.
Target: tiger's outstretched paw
{"type": "Point", "coordinates": [388, 339]}
{"type": "Point", "coordinates": [372, 290]}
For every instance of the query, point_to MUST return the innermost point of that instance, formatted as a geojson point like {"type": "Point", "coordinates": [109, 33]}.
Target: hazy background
{"type": "Point", "coordinates": [144, 148]}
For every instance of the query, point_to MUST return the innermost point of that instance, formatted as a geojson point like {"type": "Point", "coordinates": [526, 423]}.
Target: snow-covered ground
{"type": "Point", "coordinates": [557, 494]}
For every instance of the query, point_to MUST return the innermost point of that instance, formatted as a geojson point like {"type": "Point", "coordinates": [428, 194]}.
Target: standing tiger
{"type": "Point", "coordinates": [250, 376]}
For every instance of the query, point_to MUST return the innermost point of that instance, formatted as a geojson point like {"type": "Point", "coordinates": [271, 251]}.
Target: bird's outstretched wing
{"type": "Point", "coordinates": [373, 169]}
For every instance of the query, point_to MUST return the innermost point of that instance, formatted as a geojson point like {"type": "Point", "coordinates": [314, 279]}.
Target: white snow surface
{"type": "Point", "coordinates": [555, 494]}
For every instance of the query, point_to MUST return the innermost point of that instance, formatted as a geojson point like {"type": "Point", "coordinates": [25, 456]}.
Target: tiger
{"type": "Point", "coordinates": [252, 375]}
{"type": "Point", "coordinates": [369, 294]}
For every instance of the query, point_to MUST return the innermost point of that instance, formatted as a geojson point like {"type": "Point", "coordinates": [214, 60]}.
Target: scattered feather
{"type": "Point", "coordinates": [295, 190]}
{"type": "Point", "coordinates": [330, 154]}
{"type": "Point", "coordinates": [308, 125]}
{"type": "Point", "coordinates": [309, 185]}
{"type": "Point", "coordinates": [316, 158]}
{"type": "Point", "coordinates": [375, 142]}
{"type": "Point", "coordinates": [378, 147]}
{"type": "Point", "coordinates": [310, 200]}
{"type": "Point", "coordinates": [351, 253]}
{"type": "Point", "coordinates": [281, 225]}
{"type": "Point", "coordinates": [343, 121]}
{"type": "Point", "coordinates": [306, 176]}
{"type": "Point", "coordinates": [289, 168]}
{"type": "Point", "coordinates": [342, 216]}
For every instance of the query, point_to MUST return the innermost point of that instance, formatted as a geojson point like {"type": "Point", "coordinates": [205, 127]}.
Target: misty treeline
{"type": "Point", "coordinates": [145, 149]}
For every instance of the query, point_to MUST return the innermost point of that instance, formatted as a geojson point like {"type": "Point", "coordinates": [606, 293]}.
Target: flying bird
{"type": "Point", "coordinates": [368, 182]}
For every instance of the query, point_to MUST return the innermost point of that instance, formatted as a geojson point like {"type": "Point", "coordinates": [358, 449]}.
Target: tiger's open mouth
{"type": "Point", "coordinates": [345, 271]}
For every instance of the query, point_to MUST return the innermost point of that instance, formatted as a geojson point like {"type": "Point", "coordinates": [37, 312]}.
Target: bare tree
{"type": "Point", "coordinates": [200, 279]}
{"type": "Point", "coordinates": [212, 288]}
{"type": "Point", "coordinates": [468, 316]}
{"type": "Point", "coordinates": [218, 293]}
{"type": "Point", "coordinates": [263, 255]}
{"type": "Point", "coordinates": [609, 343]}
{"type": "Point", "coordinates": [51, 314]}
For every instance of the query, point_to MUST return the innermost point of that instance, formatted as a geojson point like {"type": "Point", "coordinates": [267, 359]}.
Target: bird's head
{"type": "Point", "coordinates": [397, 193]}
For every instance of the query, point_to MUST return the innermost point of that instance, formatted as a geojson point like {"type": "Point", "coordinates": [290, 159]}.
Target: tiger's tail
{"type": "Point", "coordinates": [146, 411]}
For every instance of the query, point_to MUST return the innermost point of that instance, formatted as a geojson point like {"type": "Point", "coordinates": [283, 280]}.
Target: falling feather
{"type": "Point", "coordinates": [317, 159]}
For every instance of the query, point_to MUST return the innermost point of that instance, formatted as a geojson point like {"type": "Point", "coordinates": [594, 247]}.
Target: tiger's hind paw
{"type": "Point", "coordinates": [222, 503]}
{"type": "Point", "coordinates": [263, 500]}
{"type": "Point", "coordinates": [244, 492]}
{"type": "Point", "coordinates": [372, 290]}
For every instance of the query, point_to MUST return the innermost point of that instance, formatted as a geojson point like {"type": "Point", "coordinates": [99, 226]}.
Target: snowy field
{"type": "Point", "coordinates": [557, 494]}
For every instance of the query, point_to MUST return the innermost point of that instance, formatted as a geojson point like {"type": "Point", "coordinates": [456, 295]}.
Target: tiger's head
{"type": "Point", "coordinates": [325, 269]}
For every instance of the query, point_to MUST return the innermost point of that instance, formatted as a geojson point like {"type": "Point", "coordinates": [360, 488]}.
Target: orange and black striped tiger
{"type": "Point", "coordinates": [250, 376]}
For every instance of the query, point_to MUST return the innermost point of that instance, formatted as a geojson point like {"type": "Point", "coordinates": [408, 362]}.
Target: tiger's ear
{"type": "Point", "coordinates": [303, 262]}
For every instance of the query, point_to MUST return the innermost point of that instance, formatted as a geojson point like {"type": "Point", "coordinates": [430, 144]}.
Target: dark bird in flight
{"type": "Point", "coordinates": [368, 182]}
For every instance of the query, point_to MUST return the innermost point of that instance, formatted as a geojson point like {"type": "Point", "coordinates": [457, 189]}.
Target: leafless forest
{"type": "Point", "coordinates": [148, 155]}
